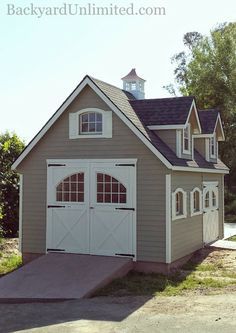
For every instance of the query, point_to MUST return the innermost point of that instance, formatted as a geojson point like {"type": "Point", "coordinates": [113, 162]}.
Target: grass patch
{"type": "Point", "coordinates": [158, 284]}
{"type": "Point", "coordinates": [10, 263]}
{"type": "Point", "coordinates": [207, 271]}
{"type": "Point", "coordinates": [232, 238]}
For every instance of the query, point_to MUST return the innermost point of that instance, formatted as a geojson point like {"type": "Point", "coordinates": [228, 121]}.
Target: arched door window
{"type": "Point", "coordinates": [110, 190]}
{"type": "Point", "coordinates": [71, 189]}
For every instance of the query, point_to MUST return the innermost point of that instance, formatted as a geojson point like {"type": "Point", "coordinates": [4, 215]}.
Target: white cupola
{"type": "Point", "coordinates": [134, 84]}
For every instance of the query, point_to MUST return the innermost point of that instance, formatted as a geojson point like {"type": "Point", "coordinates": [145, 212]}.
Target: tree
{"type": "Point", "coordinates": [207, 70]}
{"type": "Point", "coordinates": [10, 148]}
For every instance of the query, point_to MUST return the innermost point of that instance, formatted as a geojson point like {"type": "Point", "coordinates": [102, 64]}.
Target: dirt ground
{"type": "Point", "coordinates": [8, 247]}
{"type": "Point", "coordinates": [211, 314]}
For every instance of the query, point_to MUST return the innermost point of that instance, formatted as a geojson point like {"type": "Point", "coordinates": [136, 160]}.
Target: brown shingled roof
{"type": "Point", "coordinates": [127, 104]}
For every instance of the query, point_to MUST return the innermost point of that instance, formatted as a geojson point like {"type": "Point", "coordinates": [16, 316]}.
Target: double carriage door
{"type": "Point", "coordinates": [90, 208]}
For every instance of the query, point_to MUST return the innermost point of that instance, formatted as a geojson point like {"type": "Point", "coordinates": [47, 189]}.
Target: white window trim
{"type": "Point", "coordinates": [74, 124]}
{"type": "Point", "coordinates": [192, 213]}
{"type": "Point", "coordinates": [184, 215]}
{"type": "Point", "coordinates": [187, 151]}
{"type": "Point", "coordinates": [215, 147]}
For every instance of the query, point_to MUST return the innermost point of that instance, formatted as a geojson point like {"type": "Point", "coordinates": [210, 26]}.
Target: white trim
{"type": "Point", "coordinates": [193, 106]}
{"type": "Point", "coordinates": [20, 212]}
{"type": "Point", "coordinates": [69, 162]}
{"type": "Point", "coordinates": [168, 219]}
{"type": "Point", "coordinates": [89, 82]}
{"type": "Point", "coordinates": [188, 128]}
{"type": "Point", "coordinates": [193, 169]}
{"type": "Point", "coordinates": [178, 143]}
{"type": "Point", "coordinates": [202, 135]}
{"type": "Point", "coordinates": [75, 126]}
{"type": "Point", "coordinates": [207, 183]}
{"type": "Point", "coordinates": [184, 215]}
{"type": "Point", "coordinates": [207, 151]}
{"type": "Point", "coordinates": [165, 127]}
{"type": "Point", "coordinates": [221, 127]}
{"type": "Point", "coordinates": [215, 146]}
{"type": "Point", "coordinates": [192, 213]}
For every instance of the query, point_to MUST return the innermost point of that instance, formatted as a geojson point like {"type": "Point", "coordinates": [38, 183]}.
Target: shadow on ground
{"type": "Point", "coordinates": [17, 317]}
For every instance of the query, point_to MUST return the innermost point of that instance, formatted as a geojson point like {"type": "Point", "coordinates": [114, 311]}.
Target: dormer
{"type": "Point", "coordinates": [174, 120]}
{"type": "Point", "coordinates": [212, 132]}
{"type": "Point", "coordinates": [134, 84]}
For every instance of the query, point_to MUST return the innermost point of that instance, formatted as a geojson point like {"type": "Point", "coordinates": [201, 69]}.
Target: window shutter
{"type": "Point", "coordinates": [73, 125]}
{"type": "Point", "coordinates": [107, 124]}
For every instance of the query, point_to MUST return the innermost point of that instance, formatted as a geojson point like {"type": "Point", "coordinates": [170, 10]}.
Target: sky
{"type": "Point", "coordinates": [43, 59]}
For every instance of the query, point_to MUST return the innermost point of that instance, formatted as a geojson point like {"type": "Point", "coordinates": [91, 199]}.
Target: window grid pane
{"type": "Point", "coordinates": [109, 190]}
{"type": "Point", "coordinates": [71, 189]}
{"type": "Point", "coordinates": [90, 123]}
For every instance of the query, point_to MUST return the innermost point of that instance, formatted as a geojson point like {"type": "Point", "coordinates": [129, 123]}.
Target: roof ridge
{"type": "Point", "coordinates": [164, 98]}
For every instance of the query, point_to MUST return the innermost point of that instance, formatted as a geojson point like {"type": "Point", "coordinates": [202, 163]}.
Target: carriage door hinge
{"type": "Point", "coordinates": [50, 165]}
{"type": "Point", "coordinates": [133, 165]}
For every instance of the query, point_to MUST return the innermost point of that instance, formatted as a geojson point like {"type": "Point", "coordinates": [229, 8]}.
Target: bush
{"type": "Point", "coordinates": [230, 209]}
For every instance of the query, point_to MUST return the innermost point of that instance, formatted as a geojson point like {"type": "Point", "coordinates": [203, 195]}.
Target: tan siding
{"type": "Point", "coordinates": [124, 144]}
{"type": "Point", "coordinates": [187, 234]}
{"type": "Point", "coordinates": [200, 146]}
{"type": "Point", "coordinates": [169, 137]}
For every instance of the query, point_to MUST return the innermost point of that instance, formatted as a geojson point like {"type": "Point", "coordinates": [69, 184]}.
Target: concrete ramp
{"type": "Point", "coordinates": [57, 276]}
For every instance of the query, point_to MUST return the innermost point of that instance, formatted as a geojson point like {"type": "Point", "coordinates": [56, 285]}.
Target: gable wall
{"type": "Point", "coordinates": [124, 144]}
{"type": "Point", "coordinates": [169, 137]}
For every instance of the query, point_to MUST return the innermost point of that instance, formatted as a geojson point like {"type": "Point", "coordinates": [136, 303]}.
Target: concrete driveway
{"type": "Point", "coordinates": [211, 314]}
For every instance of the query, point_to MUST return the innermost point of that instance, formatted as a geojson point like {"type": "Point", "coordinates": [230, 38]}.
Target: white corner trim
{"type": "Point", "coordinates": [178, 143]}
{"type": "Point", "coordinates": [20, 212]}
{"type": "Point", "coordinates": [207, 149]}
{"type": "Point", "coordinates": [165, 127]}
{"type": "Point", "coordinates": [193, 106]}
{"type": "Point", "coordinates": [92, 85]}
{"type": "Point", "coordinates": [184, 215]}
{"type": "Point", "coordinates": [168, 219]}
{"type": "Point", "coordinates": [192, 213]}
{"type": "Point", "coordinates": [74, 124]}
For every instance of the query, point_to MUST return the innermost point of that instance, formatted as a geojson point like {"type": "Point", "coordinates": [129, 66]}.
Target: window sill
{"type": "Point", "coordinates": [91, 136]}
{"type": "Point", "coordinates": [196, 213]}
{"type": "Point", "coordinates": [178, 217]}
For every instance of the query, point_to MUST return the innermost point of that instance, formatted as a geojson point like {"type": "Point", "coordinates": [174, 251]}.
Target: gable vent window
{"type": "Point", "coordinates": [90, 123]}
{"type": "Point", "coordinates": [179, 205]}
{"type": "Point", "coordinates": [196, 201]}
{"type": "Point", "coordinates": [186, 139]}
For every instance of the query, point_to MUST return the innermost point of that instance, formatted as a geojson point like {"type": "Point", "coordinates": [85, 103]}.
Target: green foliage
{"type": "Point", "coordinates": [10, 148]}
{"type": "Point", "coordinates": [207, 70]}
{"type": "Point", "coordinates": [9, 264]}
{"type": "Point", "coordinates": [230, 209]}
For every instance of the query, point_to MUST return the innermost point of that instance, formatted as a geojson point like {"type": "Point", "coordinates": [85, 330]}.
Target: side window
{"type": "Point", "coordinates": [187, 139]}
{"type": "Point", "coordinates": [196, 201]}
{"type": "Point", "coordinates": [210, 198]}
{"type": "Point", "coordinates": [179, 205]}
{"type": "Point", "coordinates": [207, 200]}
